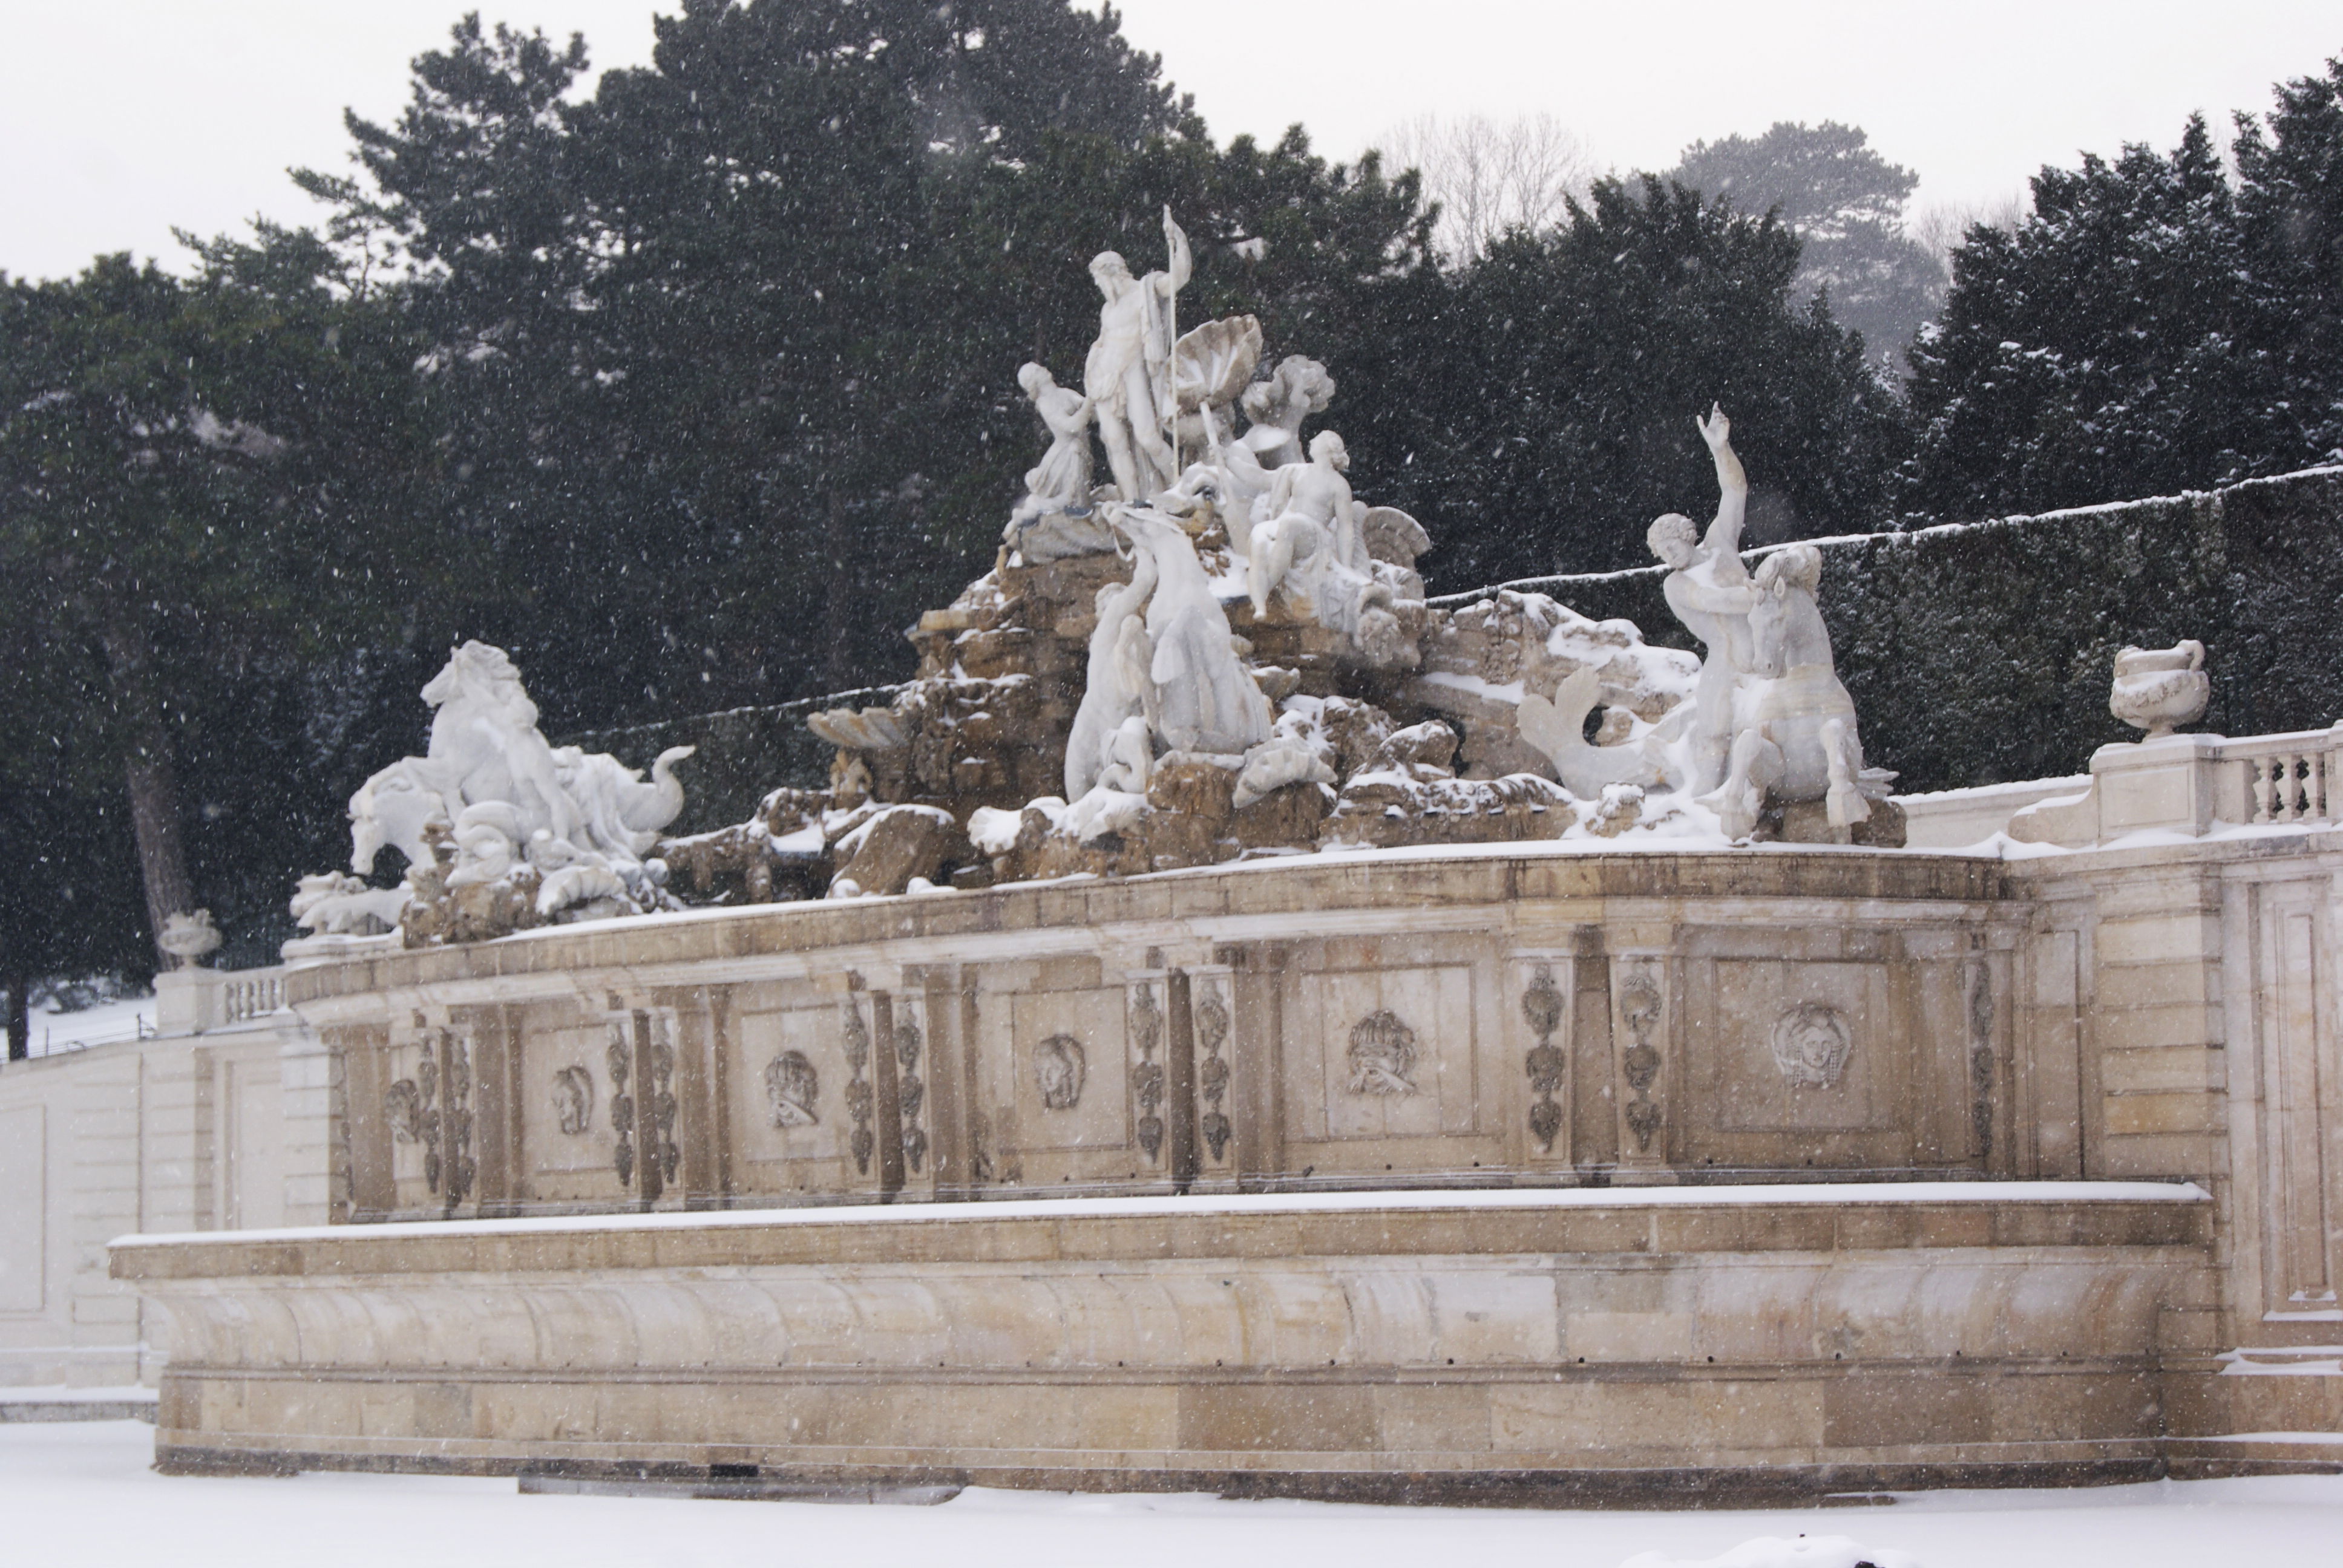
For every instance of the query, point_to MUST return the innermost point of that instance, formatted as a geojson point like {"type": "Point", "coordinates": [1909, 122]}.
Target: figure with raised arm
{"type": "Point", "coordinates": [1708, 588]}
{"type": "Point", "coordinates": [1128, 374]}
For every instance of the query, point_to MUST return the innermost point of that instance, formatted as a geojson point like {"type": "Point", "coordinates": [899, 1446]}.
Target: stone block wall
{"type": "Point", "coordinates": [190, 1132]}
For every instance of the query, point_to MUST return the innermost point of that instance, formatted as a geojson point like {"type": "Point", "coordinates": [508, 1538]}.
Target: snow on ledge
{"type": "Point", "coordinates": [1803, 1194]}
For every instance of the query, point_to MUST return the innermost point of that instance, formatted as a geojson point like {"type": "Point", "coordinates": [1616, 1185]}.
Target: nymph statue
{"type": "Point", "coordinates": [1312, 527]}
{"type": "Point", "coordinates": [1299, 388]}
{"type": "Point", "coordinates": [1054, 520]}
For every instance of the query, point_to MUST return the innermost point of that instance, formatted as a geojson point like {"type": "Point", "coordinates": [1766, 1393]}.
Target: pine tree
{"type": "Point", "coordinates": [2109, 348]}
{"type": "Point", "coordinates": [728, 350]}
{"type": "Point", "coordinates": [197, 479]}
{"type": "Point", "coordinates": [2290, 209]}
{"type": "Point", "coordinates": [1845, 204]}
{"type": "Point", "coordinates": [1537, 411]}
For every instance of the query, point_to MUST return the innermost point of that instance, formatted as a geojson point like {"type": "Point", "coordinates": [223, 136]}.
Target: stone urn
{"type": "Point", "coordinates": [189, 937]}
{"type": "Point", "coordinates": [2159, 690]}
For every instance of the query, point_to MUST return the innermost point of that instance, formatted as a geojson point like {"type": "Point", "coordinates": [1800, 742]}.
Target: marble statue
{"type": "Point", "coordinates": [1707, 586]}
{"type": "Point", "coordinates": [1276, 408]}
{"type": "Point", "coordinates": [1212, 368]}
{"type": "Point", "coordinates": [1767, 723]}
{"type": "Point", "coordinates": [1128, 374]}
{"type": "Point", "coordinates": [575, 826]}
{"type": "Point", "coordinates": [1795, 739]}
{"type": "Point", "coordinates": [1311, 524]}
{"type": "Point", "coordinates": [1116, 677]}
{"type": "Point", "coordinates": [1312, 547]}
{"type": "Point", "coordinates": [1199, 696]}
{"type": "Point", "coordinates": [1055, 521]}
{"type": "Point", "coordinates": [1557, 726]}
{"type": "Point", "coordinates": [336, 904]}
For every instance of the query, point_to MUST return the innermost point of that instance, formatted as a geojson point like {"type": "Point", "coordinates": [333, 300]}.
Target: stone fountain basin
{"type": "Point", "coordinates": [1718, 1342]}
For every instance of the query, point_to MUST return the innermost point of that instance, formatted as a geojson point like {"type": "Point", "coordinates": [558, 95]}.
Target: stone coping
{"type": "Point", "coordinates": [1639, 1220]}
{"type": "Point", "coordinates": [1250, 900]}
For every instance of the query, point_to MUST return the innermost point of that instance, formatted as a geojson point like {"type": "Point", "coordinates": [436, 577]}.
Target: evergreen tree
{"type": "Point", "coordinates": [1845, 203]}
{"type": "Point", "coordinates": [197, 480]}
{"type": "Point", "coordinates": [2112, 347]}
{"type": "Point", "coordinates": [729, 351]}
{"type": "Point", "coordinates": [2290, 209]}
{"type": "Point", "coordinates": [1536, 411]}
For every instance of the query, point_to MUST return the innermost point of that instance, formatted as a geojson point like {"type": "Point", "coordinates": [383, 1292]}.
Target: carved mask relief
{"type": "Point", "coordinates": [1146, 1074]}
{"type": "Point", "coordinates": [1057, 1071]}
{"type": "Point", "coordinates": [1381, 1055]}
{"type": "Point", "coordinates": [573, 1100]}
{"type": "Point", "coordinates": [1811, 1045]}
{"type": "Point", "coordinates": [791, 1086]}
{"type": "Point", "coordinates": [1542, 1005]}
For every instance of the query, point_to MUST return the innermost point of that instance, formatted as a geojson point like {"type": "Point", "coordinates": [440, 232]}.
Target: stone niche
{"type": "Point", "coordinates": [1474, 1021]}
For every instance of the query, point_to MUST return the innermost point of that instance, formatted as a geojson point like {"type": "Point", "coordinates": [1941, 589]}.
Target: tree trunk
{"type": "Point", "coordinates": [20, 1016]}
{"type": "Point", "coordinates": [837, 628]}
{"type": "Point", "coordinates": [152, 782]}
{"type": "Point", "coordinates": [154, 787]}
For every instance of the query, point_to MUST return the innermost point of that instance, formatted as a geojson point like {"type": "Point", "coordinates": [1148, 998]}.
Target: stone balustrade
{"type": "Point", "coordinates": [196, 999]}
{"type": "Point", "coordinates": [2290, 778]}
{"type": "Point", "coordinates": [250, 994]}
{"type": "Point", "coordinates": [2192, 785]}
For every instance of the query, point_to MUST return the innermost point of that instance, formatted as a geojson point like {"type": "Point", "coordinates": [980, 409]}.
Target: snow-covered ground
{"type": "Point", "coordinates": [125, 1018]}
{"type": "Point", "coordinates": [83, 1493]}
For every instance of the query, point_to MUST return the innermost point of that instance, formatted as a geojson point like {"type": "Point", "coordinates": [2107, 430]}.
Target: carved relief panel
{"type": "Point", "coordinates": [1788, 1047]}
{"type": "Point", "coordinates": [1642, 1042]}
{"type": "Point", "coordinates": [568, 1107]}
{"type": "Point", "coordinates": [429, 1106]}
{"type": "Point", "coordinates": [1209, 993]}
{"type": "Point", "coordinates": [1074, 1079]}
{"type": "Point", "coordinates": [913, 1068]}
{"type": "Point", "coordinates": [1383, 1053]}
{"type": "Point", "coordinates": [795, 1094]}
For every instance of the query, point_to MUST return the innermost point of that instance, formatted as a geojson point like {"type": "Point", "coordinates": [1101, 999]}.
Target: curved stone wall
{"type": "Point", "coordinates": [1431, 1019]}
{"type": "Point", "coordinates": [1489, 1346]}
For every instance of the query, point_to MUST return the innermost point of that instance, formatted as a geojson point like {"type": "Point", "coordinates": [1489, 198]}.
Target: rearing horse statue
{"type": "Point", "coordinates": [1793, 729]}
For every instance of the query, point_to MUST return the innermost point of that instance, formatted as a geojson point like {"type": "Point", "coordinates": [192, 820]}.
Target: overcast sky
{"type": "Point", "coordinates": [121, 118]}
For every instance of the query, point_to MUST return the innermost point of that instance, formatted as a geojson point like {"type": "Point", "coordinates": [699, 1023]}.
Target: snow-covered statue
{"type": "Point", "coordinates": [1767, 726]}
{"type": "Point", "coordinates": [1116, 679]}
{"type": "Point", "coordinates": [1708, 588]}
{"type": "Point", "coordinates": [1055, 519]}
{"type": "Point", "coordinates": [1212, 368]}
{"type": "Point", "coordinates": [1276, 408]}
{"type": "Point", "coordinates": [1796, 740]}
{"type": "Point", "coordinates": [1198, 697]}
{"type": "Point", "coordinates": [1313, 547]}
{"type": "Point", "coordinates": [1128, 376]}
{"type": "Point", "coordinates": [545, 832]}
